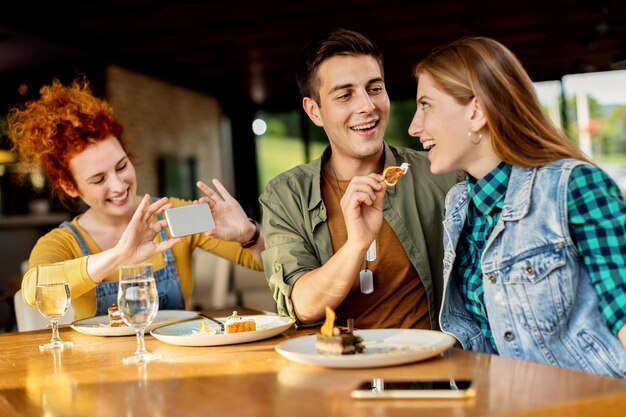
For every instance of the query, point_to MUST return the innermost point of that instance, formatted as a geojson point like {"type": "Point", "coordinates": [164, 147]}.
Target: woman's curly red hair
{"type": "Point", "coordinates": [50, 131]}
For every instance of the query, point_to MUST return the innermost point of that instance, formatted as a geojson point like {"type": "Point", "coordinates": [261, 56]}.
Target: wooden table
{"type": "Point", "coordinates": [250, 380]}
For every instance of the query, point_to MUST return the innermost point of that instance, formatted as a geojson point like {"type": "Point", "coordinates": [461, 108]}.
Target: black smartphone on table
{"type": "Point", "coordinates": [379, 388]}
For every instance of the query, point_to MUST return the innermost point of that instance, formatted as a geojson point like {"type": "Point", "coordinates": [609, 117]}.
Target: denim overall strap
{"type": "Point", "coordinates": [81, 242]}
{"type": "Point", "coordinates": [106, 292]}
{"type": "Point", "coordinates": [166, 279]}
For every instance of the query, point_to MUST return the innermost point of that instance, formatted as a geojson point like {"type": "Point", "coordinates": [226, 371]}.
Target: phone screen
{"type": "Point", "coordinates": [452, 385]}
{"type": "Point", "coordinates": [379, 388]}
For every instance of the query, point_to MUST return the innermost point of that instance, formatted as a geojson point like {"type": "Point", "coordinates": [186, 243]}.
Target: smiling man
{"type": "Point", "coordinates": [335, 234]}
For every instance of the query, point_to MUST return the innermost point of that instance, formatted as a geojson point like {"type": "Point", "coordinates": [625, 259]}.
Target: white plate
{"type": "Point", "coordinates": [99, 325]}
{"type": "Point", "coordinates": [186, 334]}
{"type": "Point", "coordinates": [383, 347]}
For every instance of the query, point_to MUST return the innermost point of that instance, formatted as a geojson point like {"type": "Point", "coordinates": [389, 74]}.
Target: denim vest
{"type": "Point", "coordinates": [166, 280]}
{"type": "Point", "coordinates": [538, 294]}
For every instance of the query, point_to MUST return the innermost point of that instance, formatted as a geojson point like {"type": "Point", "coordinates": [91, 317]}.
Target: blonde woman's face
{"type": "Point", "coordinates": [442, 126]}
{"type": "Point", "coordinates": [105, 178]}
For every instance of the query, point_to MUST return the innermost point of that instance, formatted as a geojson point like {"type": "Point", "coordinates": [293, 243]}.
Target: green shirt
{"type": "Point", "coordinates": [297, 239]}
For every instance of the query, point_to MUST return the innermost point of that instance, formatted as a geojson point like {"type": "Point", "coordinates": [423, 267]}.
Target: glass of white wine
{"type": "Point", "coordinates": [138, 302]}
{"type": "Point", "coordinates": [53, 298]}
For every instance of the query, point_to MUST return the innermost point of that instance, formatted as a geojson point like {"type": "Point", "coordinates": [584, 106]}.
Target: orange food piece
{"type": "Point", "coordinates": [240, 326]}
{"type": "Point", "coordinates": [329, 324]}
{"type": "Point", "coordinates": [392, 174]}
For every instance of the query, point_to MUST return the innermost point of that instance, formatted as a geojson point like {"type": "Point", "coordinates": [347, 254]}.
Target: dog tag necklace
{"type": "Point", "coordinates": [366, 276]}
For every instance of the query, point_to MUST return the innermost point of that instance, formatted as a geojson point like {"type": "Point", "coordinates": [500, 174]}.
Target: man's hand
{"type": "Point", "coordinates": [362, 207]}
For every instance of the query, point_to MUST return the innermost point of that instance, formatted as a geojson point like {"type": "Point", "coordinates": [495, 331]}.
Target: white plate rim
{"type": "Point", "coordinates": [292, 349]}
{"type": "Point", "coordinates": [224, 339]}
{"type": "Point", "coordinates": [82, 325]}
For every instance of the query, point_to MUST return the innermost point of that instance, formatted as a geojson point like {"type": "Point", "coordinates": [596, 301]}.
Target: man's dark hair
{"type": "Point", "coordinates": [325, 46]}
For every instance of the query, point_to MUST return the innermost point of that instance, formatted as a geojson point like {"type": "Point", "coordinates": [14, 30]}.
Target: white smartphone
{"type": "Point", "coordinates": [189, 219]}
{"type": "Point", "coordinates": [379, 388]}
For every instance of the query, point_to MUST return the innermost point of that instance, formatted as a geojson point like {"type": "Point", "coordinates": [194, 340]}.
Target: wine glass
{"type": "Point", "coordinates": [52, 294]}
{"type": "Point", "coordinates": [138, 302]}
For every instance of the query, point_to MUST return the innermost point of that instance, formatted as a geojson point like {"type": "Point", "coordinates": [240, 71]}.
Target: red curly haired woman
{"type": "Point", "coordinates": [75, 138]}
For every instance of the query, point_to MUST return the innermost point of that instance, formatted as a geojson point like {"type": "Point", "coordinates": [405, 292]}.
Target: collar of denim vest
{"type": "Point", "coordinates": [517, 203]}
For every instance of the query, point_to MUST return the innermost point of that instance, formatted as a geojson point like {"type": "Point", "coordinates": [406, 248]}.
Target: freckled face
{"type": "Point", "coordinates": [105, 178]}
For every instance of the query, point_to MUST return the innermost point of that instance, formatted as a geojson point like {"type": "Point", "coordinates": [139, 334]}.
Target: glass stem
{"type": "Point", "coordinates": [55, 331]}
{"type": "Point", "coordinates": [141, 346]}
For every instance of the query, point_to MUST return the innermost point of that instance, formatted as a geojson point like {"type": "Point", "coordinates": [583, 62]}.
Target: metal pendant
{"type": "Point", "coordinates": [366, 279]}
{"type": "Point", "coordinates": [370, 255]}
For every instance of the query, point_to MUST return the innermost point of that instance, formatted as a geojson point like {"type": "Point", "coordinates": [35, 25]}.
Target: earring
{"type": "Point", "coordinates": [480, 137]}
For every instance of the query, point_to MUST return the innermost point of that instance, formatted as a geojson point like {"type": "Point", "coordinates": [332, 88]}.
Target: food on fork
{"type": "Point", "coordinates": [237, 324]}
{"type": "Point", "coordinates": [392, 174]}
{"type": "Point", "coordinates": [333, 341]}
{"type": "Point", "coordinates": [115, 317]}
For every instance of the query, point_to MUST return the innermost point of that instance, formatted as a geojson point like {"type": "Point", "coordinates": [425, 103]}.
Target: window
{"type": "Point", "coordinates": [594, 116]}
{"type": "Point", "coordinates": [591, 108]}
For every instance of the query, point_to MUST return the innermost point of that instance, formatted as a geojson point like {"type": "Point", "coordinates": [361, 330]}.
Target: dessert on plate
{"type": "Point", "coordinates": [333, 341]}
{"type": "Point", "coordinates": [237, 324]}
{"type": "Point", "coordinates": [115, 317]}
{"type": "Point", "coordinates": [205, 329]}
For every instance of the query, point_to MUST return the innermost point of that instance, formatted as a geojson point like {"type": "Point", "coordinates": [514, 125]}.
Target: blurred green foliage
{"type": "Point", "coordinates": [282, 147]}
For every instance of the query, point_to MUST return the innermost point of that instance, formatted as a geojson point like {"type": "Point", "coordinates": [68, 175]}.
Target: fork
{"type": "Point", "coordinates": [213, 320]}
{"type": "Point", "coordinates": [198, 315]}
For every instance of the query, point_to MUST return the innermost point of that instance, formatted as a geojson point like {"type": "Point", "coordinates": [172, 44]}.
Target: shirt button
{"type": "Point", "coordinates": [529, 270]}
{"type": "Point", "coordinates": [492, 278]}
{"type": "Point", "coordinates": [509, 336]}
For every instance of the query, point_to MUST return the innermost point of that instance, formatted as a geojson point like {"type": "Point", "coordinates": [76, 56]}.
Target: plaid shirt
{"type": "Point", "coordinates": [597, 223]}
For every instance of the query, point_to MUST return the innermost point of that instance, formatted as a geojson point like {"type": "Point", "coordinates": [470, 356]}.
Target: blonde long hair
{"type": "Point", "coordinates": [520, 131]}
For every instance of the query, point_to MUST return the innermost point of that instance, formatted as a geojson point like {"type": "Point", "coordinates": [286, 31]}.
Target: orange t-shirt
{"type": "Point", "coordinates": [399, 297]}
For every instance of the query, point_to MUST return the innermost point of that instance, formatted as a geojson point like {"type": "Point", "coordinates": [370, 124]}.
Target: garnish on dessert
{"type": "Point", "coordinates": [329, 324]}
{"type": "Point", "coordinates": [333, 341]}
{"type": "Point", "coordinates": [237, 324]}
{"type": "Point", "coordinates": [392, 174]}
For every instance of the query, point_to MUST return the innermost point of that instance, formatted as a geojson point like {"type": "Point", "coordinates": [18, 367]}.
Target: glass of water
{"type": "Point", "coordinates": [52, 295]}
{"type": "Point", "coordinates": [138, 302]}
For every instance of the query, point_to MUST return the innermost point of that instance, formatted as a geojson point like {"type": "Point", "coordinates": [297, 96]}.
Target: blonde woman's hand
{"type": "Point", "coordinates": [231, 222]}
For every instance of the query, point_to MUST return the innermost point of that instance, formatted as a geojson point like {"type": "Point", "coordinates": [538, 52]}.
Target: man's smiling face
{"type": "Point", "coordinates": [353, 106]}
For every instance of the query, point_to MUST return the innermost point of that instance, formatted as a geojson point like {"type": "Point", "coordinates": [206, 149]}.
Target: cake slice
{"type": "Point", "coordinates": [115, 317]}
{"type": "Point", "coordinates": [333, 341]}
{"type": "Point", "coordinates": [237, 324]}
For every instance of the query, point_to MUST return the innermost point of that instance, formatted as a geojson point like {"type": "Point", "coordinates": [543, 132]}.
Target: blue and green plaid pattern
{"type": "Point", "coordinates": [487, 199]}
{"type": "Point", "coordinates": [597, 222]}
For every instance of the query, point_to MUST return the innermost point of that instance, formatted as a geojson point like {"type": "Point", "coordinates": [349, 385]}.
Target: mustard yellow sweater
{"type": "Point", "coordinates": [61, 245]}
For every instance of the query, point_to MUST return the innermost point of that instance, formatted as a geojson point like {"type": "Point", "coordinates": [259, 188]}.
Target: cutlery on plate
{"type": "Point", "coordinates": [213, 320]}
{"type": "Point", "coordinates": [198, 316]}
